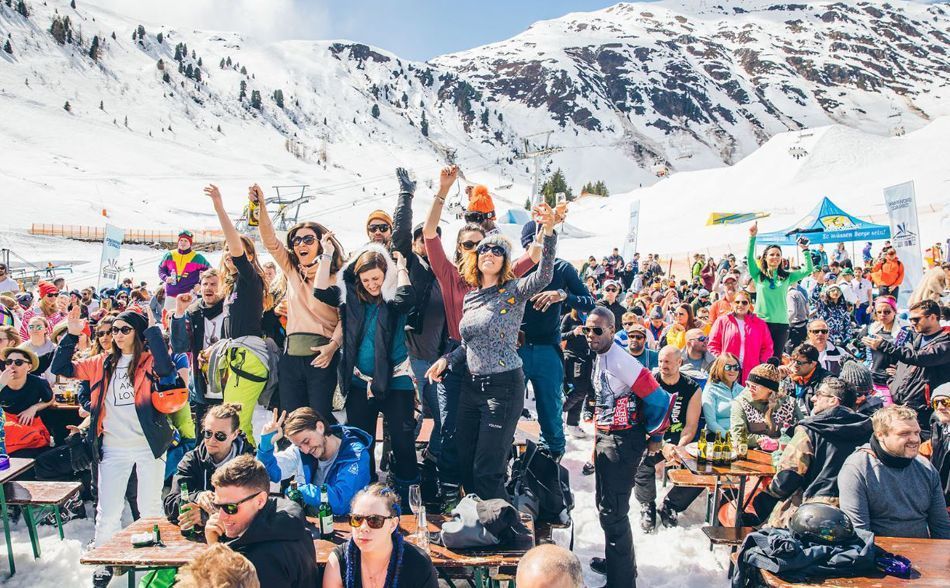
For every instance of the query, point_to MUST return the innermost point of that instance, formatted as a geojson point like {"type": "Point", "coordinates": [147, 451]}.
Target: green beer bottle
{"type": "Point", "coordinates": [717, 450]}
{"type": "Point", "coordinates": [742, 446]}
{"type": "Point", "coordinates": [183, 499]}
{"type": "Point", "coordinates": [728, 454]}
{"type": "Point", "coordinates": [325, 514]}
{"type": "Point", "coordinates": [293, 493]}
{"type": "Point", "coordinates": [701, 455]}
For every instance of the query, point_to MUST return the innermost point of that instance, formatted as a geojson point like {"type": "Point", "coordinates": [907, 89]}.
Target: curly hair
{"type": "Point", "coordinates": [473, 276]}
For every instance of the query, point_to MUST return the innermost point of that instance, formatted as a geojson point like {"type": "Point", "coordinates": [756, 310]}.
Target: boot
{"type": "Point", "coordinates": [598, 565]}
{"type": "Point", "coordinates": [648, 517]}
{"type": "Point", "coordinates": [668, 516]}
{"type": "Point", "coordinates": [101, 577]}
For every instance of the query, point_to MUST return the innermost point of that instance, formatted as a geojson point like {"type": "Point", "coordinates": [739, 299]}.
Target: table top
{"type": "Point", "coordinates": [756, 463]}
{"type": "Point", "coordinates": [18, 465]}
{"type": "Point", "coordinates": [180, 550]}
{"type": "Point", "coordinates": [930, 559]}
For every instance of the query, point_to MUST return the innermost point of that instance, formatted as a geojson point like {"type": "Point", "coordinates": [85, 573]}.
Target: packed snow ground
{"type": "Point", "coordinates": [670, 558]}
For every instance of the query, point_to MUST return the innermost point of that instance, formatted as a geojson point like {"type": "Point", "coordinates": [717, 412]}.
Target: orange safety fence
{"type": "Point", "coordinates": [87, 233]}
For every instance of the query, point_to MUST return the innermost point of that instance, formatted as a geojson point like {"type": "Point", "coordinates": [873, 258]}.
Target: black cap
{"type": "Point", "coordinates": [417, 230]}
{"type": "Point", "coordinates": [136, 320]}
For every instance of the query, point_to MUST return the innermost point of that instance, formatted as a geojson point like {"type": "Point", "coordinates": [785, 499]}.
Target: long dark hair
{"type": "Point", "coordinates": [115, 354]}
{"type": "Point", "coordinates": [780, 272]}
{"type": "Point", "coordinates": [469, 227]}
{"type": "Point", "coordinates": [335, 264]}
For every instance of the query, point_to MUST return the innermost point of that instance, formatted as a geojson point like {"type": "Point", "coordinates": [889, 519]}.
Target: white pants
{"type": "Point", "coordinates": [114, 471]}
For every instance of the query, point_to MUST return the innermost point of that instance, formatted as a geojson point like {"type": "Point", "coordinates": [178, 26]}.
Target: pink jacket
{"type": "Point", "coordinates": [725, 338]}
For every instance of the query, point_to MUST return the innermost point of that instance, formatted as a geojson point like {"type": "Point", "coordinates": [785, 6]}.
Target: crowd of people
{"type": "Point", "coordinates": [818, 363]}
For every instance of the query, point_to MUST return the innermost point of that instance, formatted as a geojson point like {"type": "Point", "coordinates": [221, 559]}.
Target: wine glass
{"type": "Point", "coordinates": [421, 536]}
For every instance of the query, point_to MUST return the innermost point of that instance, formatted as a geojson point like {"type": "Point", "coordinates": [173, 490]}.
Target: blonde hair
{"type": "Point", "coordinates": [717, 371]}
{"type": "Point", "coordinates": [218, 567]}
{"type": "Point", "coordinates": [469, 271]}
{"type": "Point", "coordinates": [883, 419]}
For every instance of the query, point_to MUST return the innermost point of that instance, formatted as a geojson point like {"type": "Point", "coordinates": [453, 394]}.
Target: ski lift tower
{"type": "Point", "coordinates": [288, 207]}
{"type": "Point", "coordinates": [538, 155]}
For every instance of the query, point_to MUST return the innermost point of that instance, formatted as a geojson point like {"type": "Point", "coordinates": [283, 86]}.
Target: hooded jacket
{"type": "Point", "coordinates": [940, 454]}
{"type": "Point", "coordinates": [348, 474]}
{"type": "Point", "coordinates": [185, 267]}
{"type": "Point", "coordinates": [280, 546]}
{"type": "Point", "coordinates": [756, 346]}
{"type": "Point", "coordinates": [921, 367]}
{"type": "Point", "coordinates": [813, 458]}
{"type": "Point", "coordinates": [390, 321]}
{"type": "Point", "coordinates": [196, 469]}
{"type": "Point", "coordinates": [187, 335]}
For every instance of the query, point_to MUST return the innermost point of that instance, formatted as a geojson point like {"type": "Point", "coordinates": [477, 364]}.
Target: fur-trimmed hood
{"type": "Point", "coordinates": [347, 278]}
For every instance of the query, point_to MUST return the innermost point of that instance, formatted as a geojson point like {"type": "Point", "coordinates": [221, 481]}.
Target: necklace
{"type": "Point", "coordinates": [374, 577]}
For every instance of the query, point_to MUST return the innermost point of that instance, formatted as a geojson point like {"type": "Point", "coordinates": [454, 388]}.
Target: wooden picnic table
{"type": "Point", "coordinates": [930, 559]}
{"type": "Point", "coordinates": [18, 465]}
{"type": "Point", "coordinates": [179, 550]}
{"type": "Point", "coordinates": [757, 464]}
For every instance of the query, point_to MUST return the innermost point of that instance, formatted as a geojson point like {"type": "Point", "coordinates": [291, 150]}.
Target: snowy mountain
{"type": "Point", "coordinates": [101, 112]}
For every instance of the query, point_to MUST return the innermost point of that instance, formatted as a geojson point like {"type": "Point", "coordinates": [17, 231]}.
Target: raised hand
{"type": "Point", "coordinates": [754, 229]}
{"type": "Point", "coordinates": [74, 322]}
{"type": "Point", "coordinates": [406, 184]}
{"type": "Point", "coordinates": [326, 243]}
{"type": "Point", "coordinates": [400, 260]}
{"type": "Point", "coordinates": [182, 302]}
{"type": "Point", "coordinates": [255, 194]}
{"type": "Point", "coordinates": [276, 425]}
{"type": "Point", "coordinates": [213, 192]}
{"type": "Point", "coordinates": [447, 176]}
{"type": "Point", "coordinates": [544, 216]}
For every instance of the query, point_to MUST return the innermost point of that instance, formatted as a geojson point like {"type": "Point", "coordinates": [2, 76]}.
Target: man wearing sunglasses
{"type": "Point", "coordinates": [7, 284]}
{"type": "Point", "coordinates": [271, 532]}
{"type": "Point", "coordinates": [221, 441]}
{"type": "Point", "coordinates": [923, 362]}
{"type": "Point", "coordinates": [637, 341]}
{"type": "Point", "coordinates": [696, 357]}
{"type": "Point", "coordinates": [830, 356]}
{"type": "Point", "coordinates": [379, 228]}
{"type": "Point", "coordinates": [22, 395]}
{"type": "Point", "coordinates": [631, 409]}
{"type": "Point", "coordinates": [803, 375]}
{"type": "Point", "coordinates": [938, 447]}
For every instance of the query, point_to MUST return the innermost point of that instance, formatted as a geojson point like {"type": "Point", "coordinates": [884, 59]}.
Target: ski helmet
{"type": "Point", "coordinates": [821, 523]}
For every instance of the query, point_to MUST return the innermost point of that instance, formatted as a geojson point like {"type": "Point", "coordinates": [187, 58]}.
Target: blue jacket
{"type": "Point", "coordinates": [543, 328]}
{"type": "Point", "coordinates": [717, 405]}
{"type": "Point", "coordinates": [347, 476]}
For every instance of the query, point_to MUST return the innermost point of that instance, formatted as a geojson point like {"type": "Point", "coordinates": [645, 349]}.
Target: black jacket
{"type": "Point", "coordinates": [542, 328]}
{"type": "Point", "coordinates": [352, 313]}
{"type": "Point", "coordinates": [187, 335]}
{"type": "Point", "coordinates": [420, 274]}
{"type": "Point", "coordinates": [940, 440]}
{"type": "Point", "coordinates": [920, 368]}
{"type": "Point", "coordinates": [195, 469]}
{"type": "Point", "coordinates": [834, 435]}
{"type": "Point", "coordinates": [575, 346]}
{"type": "Point", "coordinates": [617, 308]}
{"type": "Point", "coordinates": [280, 546]}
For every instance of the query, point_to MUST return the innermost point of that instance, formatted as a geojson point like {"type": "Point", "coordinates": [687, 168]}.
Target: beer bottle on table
{"type": "Point", "coordinates": [293, 493]}
{"type": "Point", "coordinates": [717, 450]}
{"type": "Point", "coordinates": [743, 443]}
{"type": "Point", "coordinates": [325, 514]}
{"type": "Point", "coordinates": [184, 498]}
{"type": "Point", "coordinates": [701, 456]}
{"type": "Point", "coordinates": [728, 453]}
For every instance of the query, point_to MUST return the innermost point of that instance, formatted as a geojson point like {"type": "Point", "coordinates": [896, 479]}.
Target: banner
{"type": "Point", "coordinates": [109, 262]}
{"type": "Point", "coordinates": [731, 218]}
{"type": "Point", "coordinates": [633, 231]}
{"type": "Point", "coordinates": [905, 235]}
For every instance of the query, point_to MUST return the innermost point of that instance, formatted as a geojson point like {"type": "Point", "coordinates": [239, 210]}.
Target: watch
{"type": "Point", "coordinates": [563, 294]}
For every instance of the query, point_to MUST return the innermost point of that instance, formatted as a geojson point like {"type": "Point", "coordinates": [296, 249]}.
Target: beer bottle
{"type": "Point", "coordinates": [717, 450]}
{"type": "Point", "coordinates": [156, 535]}
{"type": "Point", "coordinates": [293, 493]}
{"type": "Point", "coordinates": [183, 499]}
{"type": "Point", "coordinates": [253, 213]}
{"type": "Point", "coordinates": [729, 454]}
{"type": "Point", "coordinates": [325, 513]}
{"type": "Point", "coordinates": [743, 444]}
{"type": "Point", "coordinates": [701, 456]}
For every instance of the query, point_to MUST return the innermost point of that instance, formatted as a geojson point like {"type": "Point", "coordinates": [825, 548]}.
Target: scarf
{"type": "Point", "coordinates": [802, 380]}
{"type": "Point", "coordinates": [891, 461]}
{"type": "Point", "coordinates": [210, 312]}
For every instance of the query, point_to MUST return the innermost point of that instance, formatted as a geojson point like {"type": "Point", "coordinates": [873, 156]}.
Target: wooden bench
{"type": "Point", "coordinates": [544, 532]}
{"type": "Point", "coordinates": [38, 498]}
{"type": "Point", "coordinates": [687, 479]}
{"type": "Point", "coordinates": [729, 536]}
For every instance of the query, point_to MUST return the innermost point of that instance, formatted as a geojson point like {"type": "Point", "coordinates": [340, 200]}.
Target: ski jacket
{"type": "Point", "coordinates": [754, 347]}
{"type": "Point", "coordinates": [185, 267]}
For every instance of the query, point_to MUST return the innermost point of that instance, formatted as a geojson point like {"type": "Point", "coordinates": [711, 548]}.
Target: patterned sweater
{"type": "Point", "coordinates": [186, 267]}
{"type": "Point", "coordinates": [491, 319]}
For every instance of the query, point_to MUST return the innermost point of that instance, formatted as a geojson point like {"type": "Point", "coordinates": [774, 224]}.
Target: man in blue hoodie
{"type": "Point", "coordinates": [321, 454]}
{"type": "Point", "coordinates": [541, 350]}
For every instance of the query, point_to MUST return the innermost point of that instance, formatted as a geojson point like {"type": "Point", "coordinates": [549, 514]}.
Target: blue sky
{"type": "Point", "coordinates": [412, 29]}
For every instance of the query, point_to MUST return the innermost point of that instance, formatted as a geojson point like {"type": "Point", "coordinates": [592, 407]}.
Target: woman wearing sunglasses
{"type": "Point", "coordinates": [47, 307]}
{"type": "Point", "coordinates": [308, 365]}
{"type": "Point", "coordinates": [830, 306]}
{"type": "Point", "coordinates": [721, 391]}
{"type": "Point", "coordinates": [221, 441]}
{"type": "Point", "coordinates": [888, 326]}
{"type": "Point", "coordinates": [763, 410]}
{"type": "Point", "coordinates": [743, 334]}
{"type": "Point", "coordinates": [376, 555]}
{"type": "Point", "coordinates": [772, 282]}
{"type": "Point", "coordinates": [492, 395]}
{"type": "Point", "coordinates": [22, 396]}
{"type": "Point", "coordinates": [125, 427]}
{"type": "Point", "coordinates": [40, 343]}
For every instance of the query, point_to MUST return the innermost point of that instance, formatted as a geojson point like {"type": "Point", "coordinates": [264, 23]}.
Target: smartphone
{"type": "Point", "coordinates": [803, 240]}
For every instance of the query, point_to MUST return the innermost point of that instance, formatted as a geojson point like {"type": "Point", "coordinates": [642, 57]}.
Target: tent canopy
{"type": "Point", "coordinates": [827, 223]}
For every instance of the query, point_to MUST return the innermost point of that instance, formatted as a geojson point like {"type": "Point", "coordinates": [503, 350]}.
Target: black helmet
{"type": "Point", "coordinates": [821, 523]}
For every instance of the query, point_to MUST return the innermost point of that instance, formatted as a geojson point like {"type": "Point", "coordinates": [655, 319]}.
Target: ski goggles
{"type": "Point", "coordinates": [374, 521]}
{"type": "Point", "coordinates": [231, 508]}
{"type": "Point", "coordinates": [943, 401]}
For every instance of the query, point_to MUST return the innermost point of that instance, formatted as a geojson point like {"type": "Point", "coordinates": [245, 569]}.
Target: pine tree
{"type": "Point", "coordinates": [59, 28]}
{"type": "Point", "coordinates": [160, 37]}
{"type": "Point", "coordinates": [178, 52]}
{"type": "Point", "coordinates": [424, 125]}
{"type": "Point", "coordinates": [189, 71]}
{"type": "Point", "coordinates": [126, 122]}
{"type": "Point", "coordinates": [527, 203]}
{"type": "Point", "coordinates": [229, 61]}
{"type": "Point", "coordinates": [22, 9]}
{"type": "Point", "coordinates": [243, 94]}
{"type": "Point", "coordinates": [200, 64]}
{"type": "Point", "coordinates": [197, 74]}
{"type": "Point", "coordinates": [113, 35]}
{"type": "Point", "coordinates": [485, 118]}
{"type": "Point", "coordinates": [8, 47]}
{"type": "Point", "coordinates": [219, 128]}
{"type": "Point", "coordinates": [556, 183]}
{"type": "Point", "coordinates": [94, 49]}
{"type": "Point", "coordinates": [166, 78]}
{"type": "Point", "coordinates": [279, 98]}
{"type": "Point", "coordinates": [67, 107]}
{"type": "Point", "coordinates": [102, 106]}
{"type": "Point", "coordinates": [243, 71]}
{"type": "Point", "coordinates": [72, 4]}
{"type": "Point", "coordinates": [256, 99]}
{"type": "Point", "coordinates": [141, 32]}
{"type": "Point", "coordinates": [193, 54]}
{"type": "Point", "coordinates": [221, 65]}
{"type": "Point", "coordinates": [375, 111]}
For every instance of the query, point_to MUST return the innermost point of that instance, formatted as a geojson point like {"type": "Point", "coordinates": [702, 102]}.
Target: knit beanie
{"type": "Point", "coordinates": [497, 239]}
{"type": "Point", "coordinates": [858, 376]}
{"type": "Point", "coordinates": [186, 234]}
{"type": "Point", "coordinates": [47, 288]}
{"type": "Point", "coordinates": [136, 320]}
{"type": "Point", "coordinates": [943, 390]}
{"type": "Point", "coordinates": [379, 215]}
{"type": "Point", "coordinates": [528, 231]}
{"type": "Point", "coordinates": [480, 200]}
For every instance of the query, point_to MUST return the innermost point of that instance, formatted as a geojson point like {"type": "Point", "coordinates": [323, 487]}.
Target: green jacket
{"type": "Point", "coordinates": [770, 292]}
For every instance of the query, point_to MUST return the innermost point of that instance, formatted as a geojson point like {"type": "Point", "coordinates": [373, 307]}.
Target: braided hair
{"type": "Point", "coordinates": [391, 499]}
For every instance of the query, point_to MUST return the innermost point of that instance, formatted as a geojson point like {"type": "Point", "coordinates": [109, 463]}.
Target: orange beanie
{"type": "Point", "coordinates": [480, 200]}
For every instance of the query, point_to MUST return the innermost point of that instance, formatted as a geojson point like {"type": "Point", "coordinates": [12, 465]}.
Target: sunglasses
{"type": "Point", "coordinates": [818, 331]}
{"type": "Point", "coordinates": [16, 362]}
{"type": "Point", "coordinates": [374, 521]}
{"type": "Point", "coordinates": [469, 245]}
{"type": "Point", "coordinates": [305, 240]}
{"type": "Point", "coordinates": [915, 319]}
{"type": "Point", "coordinates": [123, 330]}
{"type": "Point", "coordinates": [218, 435]}
{"type": "Point", "coordinates": [943, 401]}
{"type": "Point", "coordinates": [36, 327]}
{"type": "Point", "coordinates": [611, 289]}
{"type": "Point", "coordinates": [732, 367]}
{"type": "Point", "coordinates": [800, 362]}
{"type": "Point", "coordinates": [496, 250]}
{"type": "Point", "coordinates": [595, 330]}
{"type": "Point", "coordinates": [231, 508]}
{"type": "Point", "coordinates": [701, 339]}
{"type": "Point", "coordinates": [104, 333]}
{"type": "Point", "coordinates": [378, 228]}
{"type": "Point", "coordinates": [637, 336]}
{"type": "Point", "coordinates": [52, 295]}
{"type": "Point", "coordinates": [741, 303]}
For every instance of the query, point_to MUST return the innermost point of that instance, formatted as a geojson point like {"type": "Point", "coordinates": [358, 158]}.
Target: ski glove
{"type": "Point", "coordinates": [406, 185]}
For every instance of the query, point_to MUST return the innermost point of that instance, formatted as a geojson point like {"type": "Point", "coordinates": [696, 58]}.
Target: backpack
{"type": "Point", "coordinates": [227, 358]}
{"type": "Point", "coordinates": [541, 487]}
{"type": "Point", "coordinates": [19, 436]}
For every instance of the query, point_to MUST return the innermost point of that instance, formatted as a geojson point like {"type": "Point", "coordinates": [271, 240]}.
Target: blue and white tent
{"type": "Point", "coordinates": [827, 223]}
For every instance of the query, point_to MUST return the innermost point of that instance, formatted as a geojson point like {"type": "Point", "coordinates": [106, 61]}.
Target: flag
{"type": "Point", "coordinates": [733, 218]}
{"type": "Point", "coordinates": [905, 235]}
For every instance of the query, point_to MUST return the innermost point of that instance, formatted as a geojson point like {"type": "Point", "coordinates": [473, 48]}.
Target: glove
{"type": "Point", "coordinates": [768, 444]}
{"type": "Point", "coordinates": [406, 185]}
{"type": "Point", "coordinates": [310, 493]}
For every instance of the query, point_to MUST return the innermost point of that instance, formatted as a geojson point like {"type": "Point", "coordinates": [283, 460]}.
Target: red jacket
{"type": "Point", "coordinates": [725, 338]}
